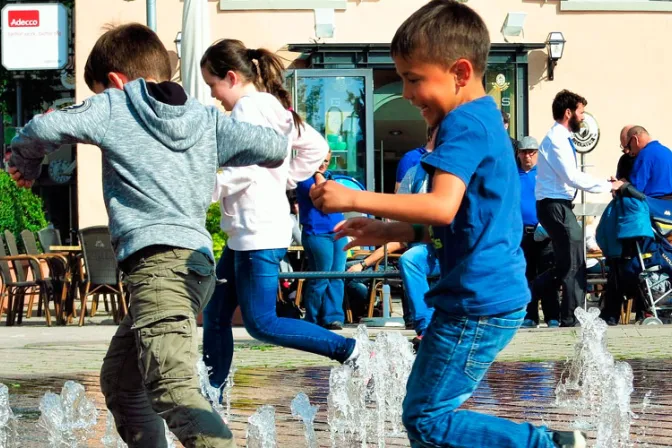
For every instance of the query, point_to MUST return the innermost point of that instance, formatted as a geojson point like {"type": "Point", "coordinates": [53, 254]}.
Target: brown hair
{"type": "Point", "coordinates": [566, 100]}
{"type": "Point", "coordinates": [258, 66]}
{"type": "Point", "coordinates": [442, 32]}
{"type": "Point", "coordinates": [133, 50]}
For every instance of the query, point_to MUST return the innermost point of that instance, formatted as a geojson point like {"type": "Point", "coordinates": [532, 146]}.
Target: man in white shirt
{"type": "Point", "coordinates": [558, 180]}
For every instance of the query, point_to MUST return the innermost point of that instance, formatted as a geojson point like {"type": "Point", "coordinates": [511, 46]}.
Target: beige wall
{"type": "Point", "coordinates": [616, 60]}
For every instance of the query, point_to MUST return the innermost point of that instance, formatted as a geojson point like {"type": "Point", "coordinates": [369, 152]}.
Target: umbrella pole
{"type": "Point", "coordinates": [151, 14]}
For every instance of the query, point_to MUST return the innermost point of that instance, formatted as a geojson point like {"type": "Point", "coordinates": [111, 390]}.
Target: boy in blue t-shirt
{"type": "Point", "coordinates": [473, 213]}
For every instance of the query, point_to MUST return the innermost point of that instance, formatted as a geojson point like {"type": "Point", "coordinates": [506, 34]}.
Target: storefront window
{"type": "Point", "coordinates": [335, 107]}
{"type": "Point", "coordinates": [500, 83]}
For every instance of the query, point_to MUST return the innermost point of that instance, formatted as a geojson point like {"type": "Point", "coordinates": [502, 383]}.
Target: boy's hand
{"type": "Point", "coordinates": [18, 178]}
{"type": "Point", "coordinates": [363, 231]}
{"type": "Point", "coordinates": [332, 197]}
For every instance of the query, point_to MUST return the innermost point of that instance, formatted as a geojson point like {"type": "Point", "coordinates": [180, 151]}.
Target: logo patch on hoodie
{"type": "Point", "coordinates": [77, 108]}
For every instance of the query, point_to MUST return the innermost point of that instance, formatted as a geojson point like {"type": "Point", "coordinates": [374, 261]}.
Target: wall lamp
{"type": "Point", "coordinates": [178, 44]}
{"type": "Point", "coordinates": [556, 46]}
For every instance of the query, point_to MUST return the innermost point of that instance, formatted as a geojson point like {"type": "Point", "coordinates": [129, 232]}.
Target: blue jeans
{"type": "Point", "coordinates": [415, 265]}
{"type": "Point", "coordinates": [454, 356]}
{"type": "Point", "coordinates": [323, 298]}
{"type": "Point", "coordinates": [252, 283]}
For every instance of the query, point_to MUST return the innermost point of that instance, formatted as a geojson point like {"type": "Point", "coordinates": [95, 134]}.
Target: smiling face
{"type": "Point", "coordinates": [222, 89]}
{"type": "Point", "coordinates": [429, 87]}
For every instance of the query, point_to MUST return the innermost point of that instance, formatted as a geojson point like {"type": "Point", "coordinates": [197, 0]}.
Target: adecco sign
{"type": "Point", "coordinates": [34, 36]}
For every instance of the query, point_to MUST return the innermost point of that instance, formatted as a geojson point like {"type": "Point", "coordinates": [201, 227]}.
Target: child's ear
{"type": "Point", "coordinates": [232, 77]}
{"type": "Point", "coordinates": [464, 71]}
{"type": "Point", "coordinates": [117, 80]}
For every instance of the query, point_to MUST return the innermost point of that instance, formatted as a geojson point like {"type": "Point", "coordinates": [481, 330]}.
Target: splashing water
{"type": "Point", "coordinates": [347, 415]}
{"type": "Point", "coordinates": [597, 388]}
{"type": "Point", "coordinates": [366, 398]}
{"type": "Point", "coordinates": [261, 428]}
{"type": "Point", "coordinates": [302, 409]}
{"type": "Point", "coordinates": [68, 418]}
{"type": "Point", "coordinates": [227, 392]}
{"type": "Point", "coordinates": [8, 436]}
{"type": "Point", "coordinates": [213, 394]}
{"type": "Point", "coordinates": [111, 439]}
{"type": "Point", "coordinates": [170, 437]}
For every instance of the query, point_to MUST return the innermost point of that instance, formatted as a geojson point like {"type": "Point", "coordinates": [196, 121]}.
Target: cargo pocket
{"type": "Point", "coordinates": [167, 350]}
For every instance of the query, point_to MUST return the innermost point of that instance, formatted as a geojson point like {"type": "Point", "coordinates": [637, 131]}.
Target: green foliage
{"type": "Point", "coordinates": [20, 209]}
{"type": "Point", "coordinates": [212, 225]}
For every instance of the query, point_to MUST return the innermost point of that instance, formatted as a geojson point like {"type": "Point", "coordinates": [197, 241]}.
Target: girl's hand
{"type": "Point", "coordinates": [362, 231]}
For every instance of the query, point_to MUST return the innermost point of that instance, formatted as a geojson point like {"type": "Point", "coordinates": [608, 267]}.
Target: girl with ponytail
{"type": "Point", "coordinates": [255, 212]}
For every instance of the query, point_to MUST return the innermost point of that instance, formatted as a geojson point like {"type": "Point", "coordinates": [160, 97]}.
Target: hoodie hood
{"type": "Point", "coordinates": [178, 127]}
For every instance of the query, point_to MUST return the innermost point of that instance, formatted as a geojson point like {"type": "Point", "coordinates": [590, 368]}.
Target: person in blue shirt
{"type": "Point", "coordinates": [538, 254]}
{"type": "Point", "coordinates": [323, 298]}
{"type": "Point", "coordinates": [472, 216]}
{"type": "Point", "coordinates": [408, 161]}
{"type": "Point", "coordinates": [652, 170]}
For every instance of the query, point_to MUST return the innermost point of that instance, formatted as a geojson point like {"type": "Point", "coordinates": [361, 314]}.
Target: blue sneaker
{"type": "Point", "coordinates": [529, 323]}
{"type": "Point", "coordinates": [553, 324]}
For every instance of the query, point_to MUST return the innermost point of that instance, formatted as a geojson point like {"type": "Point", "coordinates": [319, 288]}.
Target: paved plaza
{"type": "Point", "coordinates": [521, 385]}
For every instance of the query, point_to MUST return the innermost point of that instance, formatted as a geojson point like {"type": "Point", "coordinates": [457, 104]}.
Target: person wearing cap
{"type": "Point", "coordinates": [538, 254]}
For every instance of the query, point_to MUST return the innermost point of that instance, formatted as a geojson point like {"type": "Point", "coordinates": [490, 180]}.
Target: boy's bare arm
{"type": "Point", "coordinates": [245, 144]}
{"type": "Point", "coordinates": [438, 207]}
{"type": "Point", "coordinates": [83, 123]}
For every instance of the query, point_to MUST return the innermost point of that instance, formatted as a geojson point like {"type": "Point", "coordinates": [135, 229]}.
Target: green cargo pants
{"type": "Point", "coordinates": [149, 372]}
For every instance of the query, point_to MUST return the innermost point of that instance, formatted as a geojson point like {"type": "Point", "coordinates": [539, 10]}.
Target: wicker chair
{"type": "Point", "coordinates": [17, 288]}
{"type": "Point", "coordinates": [102, 274]}
{"type": "Point", "coordinates": [49, 237]}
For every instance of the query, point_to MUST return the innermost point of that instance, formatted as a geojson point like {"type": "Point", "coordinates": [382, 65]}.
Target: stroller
{"type": "Point", "coordinates": [642, 227]}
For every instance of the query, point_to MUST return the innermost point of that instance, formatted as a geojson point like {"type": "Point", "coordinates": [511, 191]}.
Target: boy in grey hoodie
{"type": "Point", "coordinates": [160, 151]}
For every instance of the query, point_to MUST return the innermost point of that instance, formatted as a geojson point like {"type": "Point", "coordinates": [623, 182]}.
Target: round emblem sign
{"type": "Point", "coordinates": [586, 139]}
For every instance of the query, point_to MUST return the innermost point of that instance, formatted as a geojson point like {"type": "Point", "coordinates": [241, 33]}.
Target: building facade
{"type": "Point", "coordinates": [346, 87]}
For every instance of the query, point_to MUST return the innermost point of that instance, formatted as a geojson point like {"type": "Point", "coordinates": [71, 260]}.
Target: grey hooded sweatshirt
{"type": "Point", "coordinates": [161, 151]}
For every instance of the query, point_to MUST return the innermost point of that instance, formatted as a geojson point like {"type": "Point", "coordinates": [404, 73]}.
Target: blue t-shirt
{"type": "Point", "coordinates": [408, 161]}
{"type": "Point", "coordinates": [314, 222]}
{"type": "Point", "coordinates": [528, 203]}
{"type": "Point", "coordinates": [652, 171]}
{"type": "Point", "coordinates": [482, 264]}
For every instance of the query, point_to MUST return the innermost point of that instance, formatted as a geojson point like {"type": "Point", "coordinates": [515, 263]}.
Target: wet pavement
{"type": "Point", "coordinates": [522, 391]}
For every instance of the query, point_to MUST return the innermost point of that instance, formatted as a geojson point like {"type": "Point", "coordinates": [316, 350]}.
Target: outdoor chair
{"type": "Point", "coordinates": [102, 274]}
{"type": "Point", "coordinates": [18, 287]}
{"type": "Point", "coordinates": [58, 270]}
{"type": "Point", "coordinates": [49, 237]}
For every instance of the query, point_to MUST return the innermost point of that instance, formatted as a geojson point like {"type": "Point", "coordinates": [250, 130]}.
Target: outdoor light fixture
{"type": "Point", "coordinates": [178, 44]}
{"type": "Point", "coordinates": [556, 46]}
{"type": "Point", "coordinates": [513, 24]}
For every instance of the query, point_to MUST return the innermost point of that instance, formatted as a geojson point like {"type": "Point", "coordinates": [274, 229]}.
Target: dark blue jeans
{"type": "Point", "coordinates": [415, 265]}
{"type": "Point", "coordinates": [323, 298]}
{"type": "Point", "coordinates": [252, 283]}
{"type": "Point", "coordinates": [455, 354]}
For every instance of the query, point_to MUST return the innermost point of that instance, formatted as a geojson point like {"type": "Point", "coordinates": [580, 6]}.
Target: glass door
{"type": "Point", "coordinates": [500, 83]}
{"type": "Point", "coordinates": [339, 105]}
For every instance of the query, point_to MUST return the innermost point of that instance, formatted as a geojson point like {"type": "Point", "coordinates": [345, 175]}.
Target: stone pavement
{"type": "Point", "coordinates": [35, 359]}
{"type": "Point", "coordinates": [38, 350]}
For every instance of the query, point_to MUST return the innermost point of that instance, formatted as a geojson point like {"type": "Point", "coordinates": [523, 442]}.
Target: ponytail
{"type": "Point", "coordinates": [271, 80]}
{"type": "Point", "coordinates": [258, 66]}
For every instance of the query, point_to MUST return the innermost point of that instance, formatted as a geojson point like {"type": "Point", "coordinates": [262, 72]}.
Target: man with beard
{"type": "Point", "coordinates": [558, 180]}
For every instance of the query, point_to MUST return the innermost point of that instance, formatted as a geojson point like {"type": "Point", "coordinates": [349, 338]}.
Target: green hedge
{"type": "Point", "coordinates": [20, 209]}
{"type": "Point", "coordinates": [212, 224]}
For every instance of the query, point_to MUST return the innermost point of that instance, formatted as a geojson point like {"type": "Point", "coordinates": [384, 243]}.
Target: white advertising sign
{"type": "Point", "coordinates": [34, 36]}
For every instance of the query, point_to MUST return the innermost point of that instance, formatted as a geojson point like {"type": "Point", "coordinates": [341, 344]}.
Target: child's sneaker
{"type": "Point", "coordinates": [569, 439]}
{"type": "Point", "coordinates": [553, 324]}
